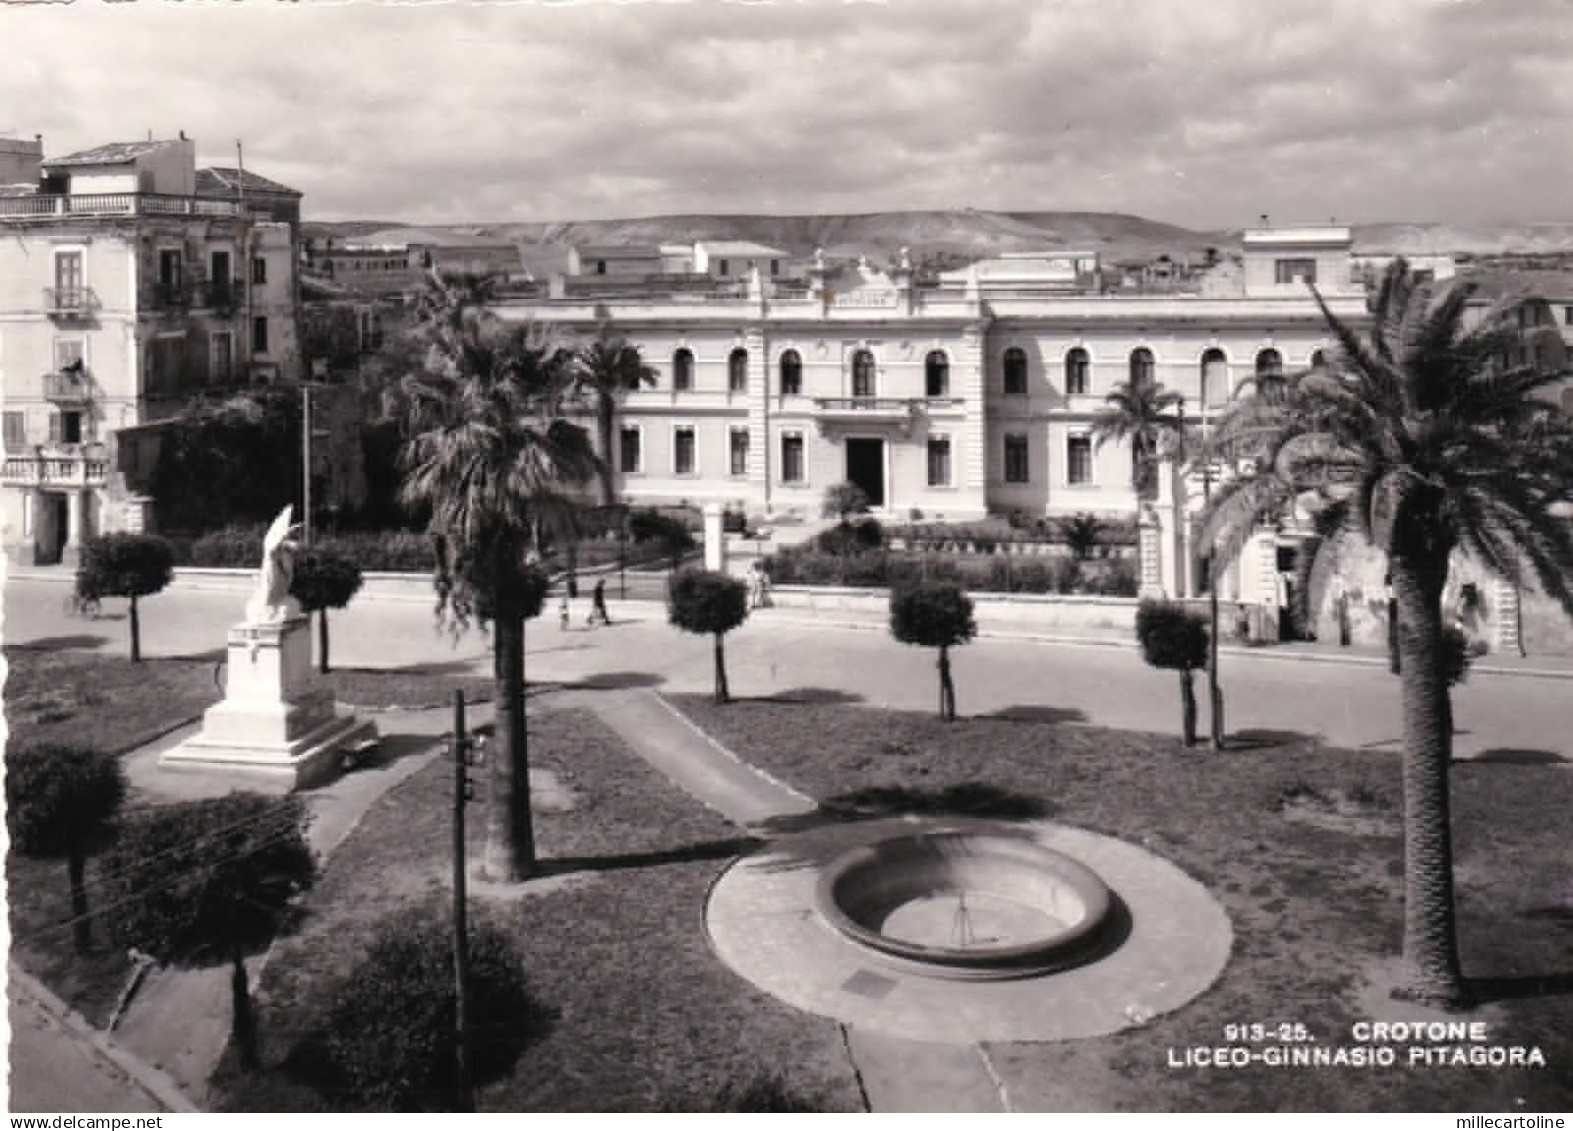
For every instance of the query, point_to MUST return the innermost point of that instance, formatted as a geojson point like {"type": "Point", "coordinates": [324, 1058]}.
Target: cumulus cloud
{"type": "Point", "coordinates": [1201, 114]}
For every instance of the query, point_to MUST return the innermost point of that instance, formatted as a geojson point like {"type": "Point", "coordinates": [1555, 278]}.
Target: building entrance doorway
{"type": "Point", "coordinates": [49, 531]}
{"type": "Point", "coordinates": [866, 468]}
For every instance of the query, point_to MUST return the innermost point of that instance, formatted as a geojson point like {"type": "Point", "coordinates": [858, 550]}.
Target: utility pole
{"type": "Point", "coordinates": [464, 1095]}
{"type": "Point", "coordinates": [305, 443]}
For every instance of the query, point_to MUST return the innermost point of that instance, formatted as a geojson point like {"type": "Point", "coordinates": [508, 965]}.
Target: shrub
{"type": "Point", "coordinates": [936, 614]}
{"type": "Point", "coordinates": [1119, 578]}
{"type": "Point", "coordinates": [708, 603]}
{"type": "Point", "coordinates": [126, 565]}
{"type": "Point", "coordinates": [324, 578]}
{"type": "Point", "coordinates": [238, 546]}
{"type": "Point", "coordinates": [389, 1032]}
{"type": "Point", "coordinates": [386, 551]}
{"type": "Point", "coordinates": [671, 534]}
{"type": "Point", "coordinates": [843, 500]}
{"type": "Point", "coordinates": [1175, 638]}
{"type": "Point", "coordinates": [1456, 655]}
{"type": "Point", "coordinates": [59, 802]}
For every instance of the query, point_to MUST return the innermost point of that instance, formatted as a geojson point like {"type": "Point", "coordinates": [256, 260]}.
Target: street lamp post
{"type": "Point", "coordinates": [1214, 692]}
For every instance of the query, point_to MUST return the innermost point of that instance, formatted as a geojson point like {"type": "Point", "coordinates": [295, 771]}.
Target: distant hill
{"type": "Point", "coordinates": [962, 235]}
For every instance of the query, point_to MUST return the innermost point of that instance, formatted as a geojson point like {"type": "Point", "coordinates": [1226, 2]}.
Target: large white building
{"type": "Point", "coordinates": [129, 280]}
{"type": "Point", "coordinates": [954, 397]}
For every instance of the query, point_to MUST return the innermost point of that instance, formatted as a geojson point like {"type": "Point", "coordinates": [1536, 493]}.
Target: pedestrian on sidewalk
{"type": "Point", "coordinates": [598, 604]}
{"type": "Point", "coordinates": [564, 613]}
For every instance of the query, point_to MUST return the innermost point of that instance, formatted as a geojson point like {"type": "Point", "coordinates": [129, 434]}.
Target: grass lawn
{"type": "Point", "coordinates": [614, 943]}
{"type": "Point", "coordinates": [1299, 843]}
{"type": "Point", "coordinates": [106, 701]}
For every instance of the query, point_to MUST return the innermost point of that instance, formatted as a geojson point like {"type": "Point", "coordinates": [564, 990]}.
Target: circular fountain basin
{"type": "Point", "coordinates": [966, 904]}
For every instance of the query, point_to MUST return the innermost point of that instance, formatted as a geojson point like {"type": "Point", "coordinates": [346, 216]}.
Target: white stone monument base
{"type": "Point", "coordinates": [271, 729]}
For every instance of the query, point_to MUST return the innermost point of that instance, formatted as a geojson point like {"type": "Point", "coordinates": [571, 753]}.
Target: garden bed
{"type": "Point", "coordinates": [1316, 904]}
{"type": "Point", "coordinates": [646, 1017]}
{"type": "Point", "coordinates": [992, 573]}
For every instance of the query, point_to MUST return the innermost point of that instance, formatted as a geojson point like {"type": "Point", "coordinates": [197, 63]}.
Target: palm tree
{"type": "Point", "coordinates": [1425, 435]}
{"type": "Point", "coordinates": [606, 370]}
{"type": "Point", "coordinates": [491, 455]}
{"type": "Point", "coordinates": [1140, 411]}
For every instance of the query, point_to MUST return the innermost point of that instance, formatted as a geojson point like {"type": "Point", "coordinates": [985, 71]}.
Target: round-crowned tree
{"type": "Point", "coordinates": [843, 500]}
{"type": "Point", "coordinates": [934, 614]}
{"type": "Point", "coordinates": [126, 565]}
{"type": "Point", "coordinates": [1174, 638]}
{"type": "Point", "coordinates": [201, 883]}
{"type": "Point", "coordinates": [60, 801]}
{"type": "Point", "coordinates": [390, 1027]}
{"type": "Point", "coordinates": [708, 603]}
{"type": "Point", "coordinates": [669, 533]}
{"type": "Point", "coordinates": [324, 579]}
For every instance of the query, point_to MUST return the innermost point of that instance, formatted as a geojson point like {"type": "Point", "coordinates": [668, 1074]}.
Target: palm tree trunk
{"type": "Point", "coordinates": [1188, 705]}
{"type": "Point", "coordinates": [82, 926]}
{"type": "Point", "coordinates": [722, 695]}
{"type": "Point", "coordinates": [1432, 972]}
{"type": "Point", "coordinates": [510, 835]}
{"type": "Point", "coordinates": [136, 634]}
{"type": "Point", "coordinates": [1214, 689]}
{"type": "Point", "coordinates": [245, 1024]}
{"type": "Point", "coordinates": [322, 640]}
{"type": "Point", "coordinates": [603, 418]}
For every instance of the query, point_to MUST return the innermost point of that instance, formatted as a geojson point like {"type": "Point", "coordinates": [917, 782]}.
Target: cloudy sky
{"type": "Point", "coordinates": [1200, 112]}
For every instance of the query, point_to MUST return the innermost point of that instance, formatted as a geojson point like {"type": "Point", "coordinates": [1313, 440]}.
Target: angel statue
{"type": "Point", "coordinates": [271, 600]}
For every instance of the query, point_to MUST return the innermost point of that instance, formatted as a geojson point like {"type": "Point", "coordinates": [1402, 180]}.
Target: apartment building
{"type": "Point", "coordinates": [130, 281]}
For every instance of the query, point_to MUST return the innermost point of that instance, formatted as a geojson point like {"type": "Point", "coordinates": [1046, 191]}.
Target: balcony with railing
{"type": "Point", "coordinates": [170, 296]}
{"type": "Point", "coordinates": [57, 465]}
{"type": "Point", "coordinates": [223, 296]}
{"type": "Point", "coordinates": [40, 207]}
{"type": "Point", "coordinates": [900, 411]}
{"type": "Point", "coordinates": [67, 387]}
{"type": "Point", "coordinates": [70, 303]}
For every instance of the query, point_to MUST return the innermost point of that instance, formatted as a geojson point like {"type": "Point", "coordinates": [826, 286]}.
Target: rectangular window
{"type": "Point", "coordinates": [631, 453]}
{"type": "Point", "coordinates": [1017, 469]}
{"type": "Point", "coordinates": [221, 357]}
{"type": "Point", "coordinates": [683, 450]}
{"type": "Point", "coordinates": [67, 428]}
{"type": "Point", "coordinates": [68, 277]}
{"type": "Point", "coordinates": [259, 270]}
{"type": "Point", "coordinates": [939, 461]}
{"type": "Point", "coordinates": [259, 335]}
{"type": "Point", "coordinates": [220, 272]}
{"type": "Point", "coordinates": [792, 458]}
{"type": "Point", "coordinates": [1292, 270]}
{"type": "Point", "coordinates": [15, 431]}
{"type": "Point", "coordinates": [739, 451]}
{"type": "Point", "coordinates": [1078, 459]}
{"type": "Point", "coordinates": [69, 355]}
{"type": "Point", "coordinates": [726, 268]}
{"type": "Point", "coordinates": [775, 267]}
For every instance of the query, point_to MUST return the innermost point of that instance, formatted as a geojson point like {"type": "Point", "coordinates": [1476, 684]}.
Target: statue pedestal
{"type": "Point", "coordinates": [271, 727]}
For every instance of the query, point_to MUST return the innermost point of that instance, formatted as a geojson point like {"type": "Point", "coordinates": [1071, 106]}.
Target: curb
{"type": "Point", "coordinates": [157, 1083]}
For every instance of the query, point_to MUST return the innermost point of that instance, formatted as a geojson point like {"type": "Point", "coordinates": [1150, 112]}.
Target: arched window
{"type": "Point", "coordinates": [1269, 363]}
{"type": "Point", "coordinates": [1076, 372]}
{"type": "Point", "coordinates": [1318, 359]}
{"type": "Point", "coordinates": [862, 374]}
{"type": "Point", "coordinates": [791, 374]}
{"type": "Point", "coordinates": [1015, 372]}
{"type": "Point", "coordinates": [1215, 377]}
{"type": "Point", "coordinates": [683, 369]}
{"type": "Point", "coordinates": [936, 374]}
{"type": "Point", "coordinates": [1141, 367]}
{"type": "Point", "coordinates": [737, 371]}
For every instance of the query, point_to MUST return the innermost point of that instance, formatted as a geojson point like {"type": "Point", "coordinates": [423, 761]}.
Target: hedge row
{"type": "Point", "coordinates": [882, 568]}
{"type": "Point", "coordinates": [994, 532]}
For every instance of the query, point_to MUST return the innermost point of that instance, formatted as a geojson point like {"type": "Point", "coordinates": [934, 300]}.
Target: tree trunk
{"type": "Point", "coordinates": [322, 640]}
{"type": "Point", "coordinates": [136, 634]}
{"type": "Point", "coordinates": [510, 835]}
{"type": "Point", "coordinates": [947, 688]}
{"type": "Point", "coordinates": [722, 695]}
{"type": "Point", "coordinates": [1188, 705]}
{"type": "Point", "coordinates": [1432, 972]}
{"type": "Point", "coordinates": [245, 1026]}
{"type": "Point", "coordinates": [604, 419]}
{"type": "Point", "coordinates": [82, 926]}
{"type": "Point", "coordinates": [1214, 688]}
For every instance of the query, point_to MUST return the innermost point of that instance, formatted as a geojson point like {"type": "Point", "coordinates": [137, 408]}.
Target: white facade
{"type": "Point", "coordinates": [115, 307]}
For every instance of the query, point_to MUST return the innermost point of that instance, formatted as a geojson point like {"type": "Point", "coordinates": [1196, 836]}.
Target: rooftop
{"type": "Point", "coordinates": [221, 181]}
{"type": "Point", "coordinates": [741, 247]}
{"type": "Point", "coordinates": [642, 251]}
{"type": "Point", "coordinates": [115, 153]}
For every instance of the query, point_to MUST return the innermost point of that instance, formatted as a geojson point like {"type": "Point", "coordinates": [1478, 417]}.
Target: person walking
{"type": "Point", "coordinates": [564, 613]}
{"type": "Point", "coordinates": [598, 604]}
